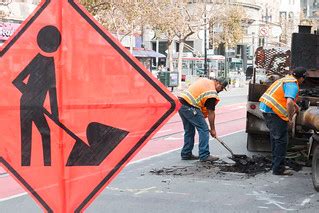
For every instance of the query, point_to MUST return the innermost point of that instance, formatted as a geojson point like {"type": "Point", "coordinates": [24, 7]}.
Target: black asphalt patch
{"type": "Point", "coordinates": [243, 166]}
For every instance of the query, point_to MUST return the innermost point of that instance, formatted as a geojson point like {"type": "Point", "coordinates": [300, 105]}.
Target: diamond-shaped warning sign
{"type": "Point", "coordinates": [75, 106]}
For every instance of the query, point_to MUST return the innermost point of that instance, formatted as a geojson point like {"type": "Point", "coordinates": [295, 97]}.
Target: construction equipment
{"type": "Point", "coordinates": [305, 128]}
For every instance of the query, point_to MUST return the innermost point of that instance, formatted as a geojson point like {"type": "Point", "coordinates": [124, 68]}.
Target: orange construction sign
{"type": "Point", "coordinates": [75, 106]}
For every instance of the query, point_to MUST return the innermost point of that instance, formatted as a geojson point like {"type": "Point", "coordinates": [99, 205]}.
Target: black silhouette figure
{"type": "Point", "coordinates": [102, 139]}
{"type": "Point", "coordinates": [41, 73]}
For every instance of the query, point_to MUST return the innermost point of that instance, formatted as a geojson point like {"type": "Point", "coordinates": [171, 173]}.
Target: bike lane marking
{"type": "Point", "coordinates": [230, 119]}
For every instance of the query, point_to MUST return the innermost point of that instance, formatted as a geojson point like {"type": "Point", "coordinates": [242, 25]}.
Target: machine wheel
{"type": "Point", "coordinates": [258, 143]}
{"type": "Point", "coordinates": [315, 167]}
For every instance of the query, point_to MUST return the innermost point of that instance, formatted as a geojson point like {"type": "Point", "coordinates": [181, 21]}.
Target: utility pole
{"type": "Point", "coordinates": [253, 61]}
{"type": "Point", "coordinates": [226, 48]}
{"type": "Point", "coordinates": [205, 43]}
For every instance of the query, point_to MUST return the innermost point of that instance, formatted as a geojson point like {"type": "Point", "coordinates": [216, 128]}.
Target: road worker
{"type": "Point", "coordinates": [278, 105]}
{"type": "Point", "coordinates": [198, 102]}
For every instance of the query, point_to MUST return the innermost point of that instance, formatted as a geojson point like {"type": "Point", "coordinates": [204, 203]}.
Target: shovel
{"type": "Point", "coordinates": [231, 152]}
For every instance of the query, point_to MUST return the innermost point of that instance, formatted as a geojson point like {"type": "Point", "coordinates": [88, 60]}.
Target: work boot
{"type": "Point", "coordinates": [286, 172]}
{"type": "Point", "coordinates": [191, 157]}
{"type": "Point", "coordinates": [210, 158]}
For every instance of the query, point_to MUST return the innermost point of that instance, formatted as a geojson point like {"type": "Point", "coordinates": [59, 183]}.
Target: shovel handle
{"type": "Point", "coordinates": [222, 143]}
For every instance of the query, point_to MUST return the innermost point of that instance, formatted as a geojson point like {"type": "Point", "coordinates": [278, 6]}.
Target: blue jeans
{"type": "Point", "coordinates": [192, 118]}
{"type": "Point", "coordinates": [279, 139]}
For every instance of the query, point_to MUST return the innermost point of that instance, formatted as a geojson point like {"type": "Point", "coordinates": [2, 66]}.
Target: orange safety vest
{"type": "Point", "coordinates": [197, 94]}
{"type": "Point", "coordinates": [275, 99]}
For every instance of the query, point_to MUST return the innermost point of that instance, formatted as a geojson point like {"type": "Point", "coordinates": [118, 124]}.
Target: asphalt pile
{"type": "Point", "coordinates": [256, 164]}
{"type": "Point", "coordinates": [247, 166]}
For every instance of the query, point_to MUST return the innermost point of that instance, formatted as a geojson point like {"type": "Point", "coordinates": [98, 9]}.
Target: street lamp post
{"type": "Point", "coordinates": [226, 62]}
{"type": "Point", "coordinates": [253, 61]}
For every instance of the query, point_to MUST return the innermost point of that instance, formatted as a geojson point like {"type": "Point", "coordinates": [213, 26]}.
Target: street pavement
{"type": "Point", "coordinates": [138, 189]}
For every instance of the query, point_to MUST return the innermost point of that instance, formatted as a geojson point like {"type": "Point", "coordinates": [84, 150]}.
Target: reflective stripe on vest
{"type": "Point", "coordinates": [279, 107]}
{"type": "Point", "coordinates": [275, 87]}
{"type": "Point", "coordinates": [208, 94]}
{"type": "Point", "coordinates": [199, 92]}
{"type": "Point", "coordinates": [189, 98]}
{"type": "Point", "coordinates": [196, 102]}
{"type": "Point", "coordinates": [280, 83]}
{"type": "Point", "coordinates": [274, 97]}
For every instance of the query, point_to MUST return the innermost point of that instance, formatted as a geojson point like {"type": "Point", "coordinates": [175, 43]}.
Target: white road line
{"type": "Point", "coordinates": [141, 191]}
{"type": "Point", "coordinates": [153, 156]}
{"type": "Point", "coordinates": [173, 150]}
{"type": "Point", "coordinates": [262, 207]}
{"type": "Point", "coordinates": [270, 199]}
{"type": "Point", "coordinates": [305, 201]}
{"type": "Point", "coordinates": [166, 130]}
{"type": "Point", "coordinates": [13, 196]}
{"type": "Point", "coordinates": [173, 138]}
{"type": "Point", "coordinates": [2, 175]}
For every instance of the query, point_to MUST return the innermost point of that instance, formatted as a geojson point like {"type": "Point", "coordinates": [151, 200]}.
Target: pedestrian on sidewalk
{"type": "Point", "coordinates": [198, 102]}
{"type": "Point", "coordinates": [278, 105]}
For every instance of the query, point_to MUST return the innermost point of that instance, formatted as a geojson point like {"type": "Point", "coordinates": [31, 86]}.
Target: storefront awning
{"type": "Point", "coordinates": [147, 54]}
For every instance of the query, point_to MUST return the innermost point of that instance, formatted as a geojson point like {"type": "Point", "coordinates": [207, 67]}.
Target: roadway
{"type": "Point", "coordinates": [137, 189]}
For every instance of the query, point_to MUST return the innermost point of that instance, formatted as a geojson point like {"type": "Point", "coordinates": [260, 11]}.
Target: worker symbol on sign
{"type": "Point", "coordinates": [102, 139]}
{"type": "Point", "coordinates": [41, 72]}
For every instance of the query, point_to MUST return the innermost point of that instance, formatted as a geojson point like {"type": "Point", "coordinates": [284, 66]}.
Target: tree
{"type": "Point", "coordinates": [163, 22]}
{"type": "Point", "coordinates": [4, 9]}
{"type": "Point", "coordinates": [230, 30]}
{"type": "Point", "coordinates": [229, 22]}
{"type": "Point", "coordinates": [189, 20]}
{"type": "Point", "coordinates": [95, 6]}
{"type": "Point", "coordinates": [120, 17]}
{"type": "Point", "coordinates": [176, 20]}
{"type": "Point", "coordinates": [167, 18]}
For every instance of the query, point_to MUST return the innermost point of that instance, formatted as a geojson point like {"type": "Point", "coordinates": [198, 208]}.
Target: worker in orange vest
{"type": "Point", "coordinates": [198, 102]}
{"type": "Point", "coordinates": [278, 105]}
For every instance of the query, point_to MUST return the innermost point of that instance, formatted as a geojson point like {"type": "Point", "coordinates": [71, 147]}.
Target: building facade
{"type": "Point", "coordinates": [267, 23]}
{"type": "Point", "coordinates": [289, 19]}
{"type": "Point", "coordinates": [310, 9]}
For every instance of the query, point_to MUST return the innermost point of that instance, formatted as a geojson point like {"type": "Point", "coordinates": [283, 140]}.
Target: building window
{"type": "Point", "coordinates": [290, 15]}
{"type": "Point", "coordinates": [162, 46]}
{"type": "Point", "coordinates": [261, 42]}
{"type": "Point", "coordinates": [188, 47]}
